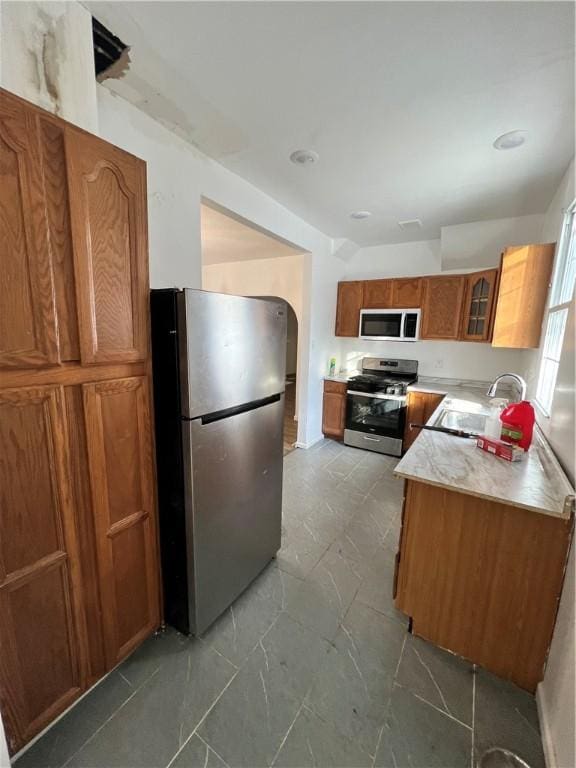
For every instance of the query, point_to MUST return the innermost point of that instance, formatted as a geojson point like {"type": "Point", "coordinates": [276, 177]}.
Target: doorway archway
{"type": "Point", "coordinates": [292, 379]}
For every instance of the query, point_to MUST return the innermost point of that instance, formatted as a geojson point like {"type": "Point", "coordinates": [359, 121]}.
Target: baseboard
{"type": "Point", "coordinates": [548, 746]}
{"type": "Point", "coordinates": [310, 443]}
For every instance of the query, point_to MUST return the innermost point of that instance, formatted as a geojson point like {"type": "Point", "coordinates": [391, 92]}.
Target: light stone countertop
{"type": "Point", "coordinates": [537, 482]}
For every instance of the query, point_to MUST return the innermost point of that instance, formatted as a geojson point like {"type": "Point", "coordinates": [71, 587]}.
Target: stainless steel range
{"type": "Point", "coordinates": [376, 404]}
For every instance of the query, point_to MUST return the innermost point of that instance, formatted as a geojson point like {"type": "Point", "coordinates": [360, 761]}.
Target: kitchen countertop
{"type": "Point", "coordinates": [537, 482]}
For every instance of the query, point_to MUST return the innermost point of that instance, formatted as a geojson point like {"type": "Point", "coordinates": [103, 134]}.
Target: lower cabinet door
{"type": "Point", "coordinates": [42, 632]}
{"type": "Point", "coordinates": [119, 441]}
{"type": "Point", "coordinates": [334, 414]}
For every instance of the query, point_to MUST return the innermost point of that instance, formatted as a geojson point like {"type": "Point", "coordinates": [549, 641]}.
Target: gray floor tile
{"type": "Point", "coordinates": [416, 735]}
{"type": "Point", "coordinates": [248, 723]}
{"type": "Point", "coordinates": [324, 598]}
{"type": "Point", "coordinates": [238, 630]}
{"type": "Point", "coordinates": [378, 583]}
{"type": "Point", "coordinates": [506, 716]}
{"type": "Point", "coordinates": [197, 754]}
{"type": "Point", "coordinates": [151, 655]}
{"type": "Point", "coordinates": [313, 743]}
{"type": "Point", "coordinates": [437, 676]}
{"type": "Point", "coordinates": [70, 733]}
{"type": "Point", "coordinates": [299, 554]}
{"type": "Point", "coordinates": [362, 664]}
{"type": "Point", "coordinates": [150, 728]}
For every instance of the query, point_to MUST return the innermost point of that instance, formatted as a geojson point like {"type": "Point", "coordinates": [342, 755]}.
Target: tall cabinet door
{"type": "Point", "coordinates": [28, 332]}
{"type": "Point", "coordinates": [119, 443]}
{"type": "Point", "coordinates": [42, 636]}
{"type": "Point", "coordinates": [108, 215]}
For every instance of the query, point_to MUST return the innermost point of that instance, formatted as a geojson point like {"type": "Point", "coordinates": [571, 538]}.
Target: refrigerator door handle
{"type": "Point", "coordinates": [209, 418]}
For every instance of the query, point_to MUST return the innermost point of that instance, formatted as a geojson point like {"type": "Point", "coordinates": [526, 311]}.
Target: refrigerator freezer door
{"type": "Point", "coordinates": [232, 350]}
{"type": "Point", "coordinates": [234, 505]}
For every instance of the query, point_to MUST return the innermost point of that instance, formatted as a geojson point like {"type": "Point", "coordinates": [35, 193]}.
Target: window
{"type": "Point", "coordinates": [560, 298]}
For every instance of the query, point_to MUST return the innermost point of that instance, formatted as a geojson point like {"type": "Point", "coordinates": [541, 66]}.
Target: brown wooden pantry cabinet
{"type": "Point", "coordinates": [79, 575]}
{"type": "Point", "coordinates": [503, 306]}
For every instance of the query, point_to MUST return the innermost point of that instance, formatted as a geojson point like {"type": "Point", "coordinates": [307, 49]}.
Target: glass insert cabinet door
{"type": "Point", "coordinates": [480, 295]}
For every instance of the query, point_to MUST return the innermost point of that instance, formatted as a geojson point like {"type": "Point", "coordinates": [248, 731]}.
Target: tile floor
{"type": "Point", "coordinates": [312, 666]}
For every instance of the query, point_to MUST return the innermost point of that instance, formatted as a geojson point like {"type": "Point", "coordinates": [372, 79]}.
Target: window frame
{"type": "Point", "coordinates": [555, 307]}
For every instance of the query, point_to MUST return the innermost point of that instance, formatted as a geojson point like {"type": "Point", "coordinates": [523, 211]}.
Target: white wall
{"type": "Point", "coordinates": [282, 277]}
{"type": "Point", "coordinates": [556, 692]}
{"type": "Point", "coordinates": [447, 359]}
{"type": "Point", "coordinates": [478, 244]}
{"type": "Point", "coordinates": [422, 257]}
{"type": "Point", "coordinates": [46, 57]}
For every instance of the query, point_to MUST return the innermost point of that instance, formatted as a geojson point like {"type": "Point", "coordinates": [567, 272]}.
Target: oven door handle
{"type": "Point", "coordinates": [374, 439]}
{"type": "Point", "coordinates": [377, 395]}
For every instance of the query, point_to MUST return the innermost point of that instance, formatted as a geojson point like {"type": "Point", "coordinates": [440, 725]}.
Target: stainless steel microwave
{"type": "Point", "coordinates": [390, 324]}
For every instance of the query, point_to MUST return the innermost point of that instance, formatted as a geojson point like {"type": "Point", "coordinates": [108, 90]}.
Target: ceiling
{"type": "Point", "coordinates": [226, 239]}
{"type": "Point", "coordinates": [401, 100]}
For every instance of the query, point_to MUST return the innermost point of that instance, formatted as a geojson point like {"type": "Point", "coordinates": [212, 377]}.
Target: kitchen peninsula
{"type": "Point", "coordinates": [483, 546]}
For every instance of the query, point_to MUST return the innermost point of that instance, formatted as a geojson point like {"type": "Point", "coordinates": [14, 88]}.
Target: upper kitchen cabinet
{"type": "Point", "coordinates": [406, 293]}
{"type": "Point", "coordinates": [28, 329]}
{"type": "Point", "coordinates": [524, 282]}
{"type": "Point", "coordinates": [442, 307]}
{"type": "Point", "coordinates": [349, 304]}
{"type": "Point", "coordinates": [109, 234]}
{"type": "Point", "coordinates": [377, 294]}
{"type": "Point", "coordinates": [479, 298]}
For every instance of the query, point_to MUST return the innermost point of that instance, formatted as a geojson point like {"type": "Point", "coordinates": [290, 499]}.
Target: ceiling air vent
{"type": "Point", "coordinates": [111, 57]}
{"type": "Point", "coordinates": [410, 224]}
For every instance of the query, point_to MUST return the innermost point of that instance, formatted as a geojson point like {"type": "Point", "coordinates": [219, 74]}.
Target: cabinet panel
{"type": "Point", "coordinates": [42, 635]}
{"type": "Point", "coordinates": [442, 307]}
{"type": "Point", "coordinates": [377, 294]}
{"type": "Point", "coordinates": [108, 209]}
{"type": "Point", "coordinates": [28, 335]}
{"type": "Point", "coordinates": [121, 474]}
{"type": "Point", "coordinates": [349, 304]}
{"type": "Point", "coordinates": [334, 414]}
{"type": "Point", "coordinates": [524, 282]}
{"type": "Point", "coordinates": [479, 299]}
{"type": "Point", "coordinates": [406, 293]}
{"type": "Point", "coordinates": [60, 234]}
{"type": "Point", "coordinates": [421, 405]}
{"type": "Point", "coordinates": [482, 579]}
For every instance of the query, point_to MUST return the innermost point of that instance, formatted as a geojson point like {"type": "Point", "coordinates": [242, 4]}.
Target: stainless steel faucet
{"type": "Point", "coordinates": [518, 379]}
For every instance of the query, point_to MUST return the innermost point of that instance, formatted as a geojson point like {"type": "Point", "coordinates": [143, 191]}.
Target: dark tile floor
{"type": "Point", "coordinates": [312, 666]}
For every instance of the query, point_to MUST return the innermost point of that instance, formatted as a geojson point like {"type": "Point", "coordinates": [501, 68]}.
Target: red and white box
{"type": "Point", "coordinates": [507, 451]}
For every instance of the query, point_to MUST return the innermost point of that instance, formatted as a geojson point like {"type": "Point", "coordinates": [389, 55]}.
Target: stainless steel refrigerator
{"type": "Point", "coordinates": [219, 372]}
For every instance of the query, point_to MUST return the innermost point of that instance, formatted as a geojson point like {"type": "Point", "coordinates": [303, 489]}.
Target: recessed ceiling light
{"type": "Point", "coordinates": [510, 140]}
{"type": "Point", "coordinates": [304, 157]}
{"type": "Point", "coordinates": [360, 215]}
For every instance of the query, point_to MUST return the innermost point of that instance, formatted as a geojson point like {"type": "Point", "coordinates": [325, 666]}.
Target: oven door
{"type": "Point", "coordinates": [381, 324]}
{"type": "Point", "coordinates": [376, 414]}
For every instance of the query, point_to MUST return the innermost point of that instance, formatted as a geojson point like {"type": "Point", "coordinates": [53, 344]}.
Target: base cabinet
{"type": "Point", "coordinates": [482, 579]}
{"type": "Point", "coordinates": [79, 575]}
{"type": "Point", "coordinates": [334, 409]}
{"type": "Point", "coordinates": [420, 406]}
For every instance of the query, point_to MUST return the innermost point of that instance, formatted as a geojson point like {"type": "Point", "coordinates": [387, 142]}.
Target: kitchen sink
{"type": "Point", "coordinates": [466, 420]}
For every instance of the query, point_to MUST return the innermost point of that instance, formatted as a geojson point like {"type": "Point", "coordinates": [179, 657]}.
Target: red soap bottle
{"type": "Point", "coordinates": [518, 424]}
